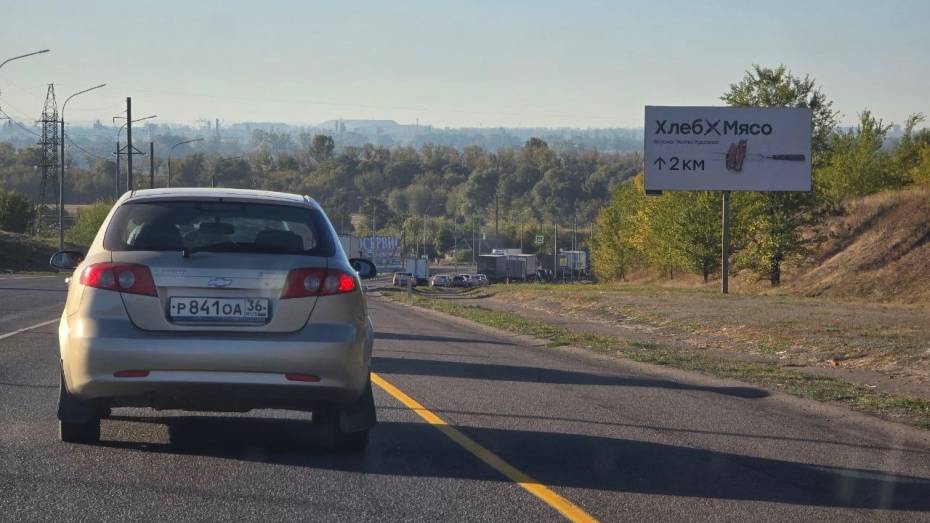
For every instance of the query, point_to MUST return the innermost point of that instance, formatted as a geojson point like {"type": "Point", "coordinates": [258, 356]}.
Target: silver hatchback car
{"type": "Point", "coordinates": [216, 300]}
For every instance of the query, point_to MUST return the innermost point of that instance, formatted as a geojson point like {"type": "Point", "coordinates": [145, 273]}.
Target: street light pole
{"type": "Point", "coordinates": [61, 176]}
{"type": "Point", "coordinates": [22, 56]}
{"type": "Point", "coordinates": [172, 150]}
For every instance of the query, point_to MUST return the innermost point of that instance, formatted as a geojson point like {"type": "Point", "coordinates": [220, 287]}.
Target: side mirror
{"type": "Point", "coordinates": [64, 260]}
{"type": "Point", "coordinates": [365, 268]}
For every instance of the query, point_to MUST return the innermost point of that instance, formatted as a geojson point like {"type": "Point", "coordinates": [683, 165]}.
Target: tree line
{"type": "Point", "coordinates": [436, 197]}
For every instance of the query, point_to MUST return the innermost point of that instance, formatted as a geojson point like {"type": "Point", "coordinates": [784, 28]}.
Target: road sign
{"type": "Point", "coordinates": [727, 149]}
{"type": "Point", "coordinates": [540, 239]}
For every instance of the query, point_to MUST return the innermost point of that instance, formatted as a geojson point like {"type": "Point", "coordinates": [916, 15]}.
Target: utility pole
{"type": "Point", "coordinates": [474, 239]}
{"type": "Point", "coordinates": [555, 251]}
{"type": "Point", "coordinates": [129, 185]}
{"type": "Point", "coordinates": [151, 165]}
{"type": "Point", "coordinates": [497, 222]}
{"type": "Point", "coordinates": [574, 242]}
{"type": "Point", "coordinates": [371, 233]}
{"type": "Point", "coordinates": [117, 168]}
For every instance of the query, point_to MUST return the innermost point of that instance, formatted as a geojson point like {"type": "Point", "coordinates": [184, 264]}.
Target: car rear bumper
{"type": "Point", "coordinates": [203, 371]}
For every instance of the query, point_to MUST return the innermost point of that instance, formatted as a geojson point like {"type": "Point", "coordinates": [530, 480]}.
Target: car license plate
{"type": "Point", "coordinates": [252, 310]}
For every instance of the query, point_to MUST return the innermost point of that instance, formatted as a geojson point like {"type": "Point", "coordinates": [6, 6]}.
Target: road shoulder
{"type": "Point", "coordinates": [905, 423]}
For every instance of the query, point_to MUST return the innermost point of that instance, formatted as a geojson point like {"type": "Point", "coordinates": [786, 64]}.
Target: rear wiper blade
{"type": "Point", "coordinates": [234, 247]}
{"type": "Point", "coordinates": [188, 251]}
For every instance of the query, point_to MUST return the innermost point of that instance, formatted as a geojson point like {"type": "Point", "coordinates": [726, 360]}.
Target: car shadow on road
{"type": "Point", "coordinates": [555, 459]}
{"type": "Point", "coordinates": [493, 371]}
{"type": "Point", "coordinates": [441, 339]}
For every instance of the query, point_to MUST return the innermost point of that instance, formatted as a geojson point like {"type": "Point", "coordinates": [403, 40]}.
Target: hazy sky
{"type": "Point", "coordinates": [489, 63]}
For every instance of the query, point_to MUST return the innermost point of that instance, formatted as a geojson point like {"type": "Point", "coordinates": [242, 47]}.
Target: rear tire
{"type": "Point", "coordinates": [347, 428]}
{"type": "Point", "coordinates": [86, 432]}
{"type": "Point", "coordinates": [77, 423]}
{"type": "Point", "coordinates": [334, 437]}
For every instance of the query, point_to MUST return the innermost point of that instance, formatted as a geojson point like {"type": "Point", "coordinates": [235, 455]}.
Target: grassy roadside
{"type": "Point", "coordinates": [23, 253]}
{"type": "Point", "coordinates": [912, 411]}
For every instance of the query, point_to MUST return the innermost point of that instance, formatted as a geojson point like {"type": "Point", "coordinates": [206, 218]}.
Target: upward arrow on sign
{"type": "Point", "coordinates": [660, 162]}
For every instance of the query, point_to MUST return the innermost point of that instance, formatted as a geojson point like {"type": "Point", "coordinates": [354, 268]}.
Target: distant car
{"type": "Point", "coordinates": [401, 278]}
{"type": "Point", "coordinates": [459, 280]}
{"type": "Point", "coordinates": [480, 280]}
{"type": "Point", "coordinates": [440, 280]}
{"type": "Point", "coordinates": [221, 300]}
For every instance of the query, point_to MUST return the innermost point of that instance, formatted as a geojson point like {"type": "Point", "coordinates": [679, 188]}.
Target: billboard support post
{"type": "Point", "coordinates": [725, 250]}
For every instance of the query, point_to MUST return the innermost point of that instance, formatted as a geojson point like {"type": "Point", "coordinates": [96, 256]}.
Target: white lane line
{"type": "Point", "coordinates": [5, 278]}
{"type": "Point", "coordinates": [29, 328]}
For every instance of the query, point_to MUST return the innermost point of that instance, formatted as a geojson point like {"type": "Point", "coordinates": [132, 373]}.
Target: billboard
{"type": "Point", "coordinates": [384, 251]}
{"type": "Point", "coordinates": [727, 149]}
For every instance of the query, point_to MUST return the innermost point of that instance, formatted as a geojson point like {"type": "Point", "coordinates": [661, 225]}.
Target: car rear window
{"type": "Point", "coordinates": [219, 227]}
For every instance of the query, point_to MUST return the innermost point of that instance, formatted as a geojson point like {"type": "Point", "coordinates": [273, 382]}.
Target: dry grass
{"type": "Point", "coordinates": [878, 251]}
{"type": "Point", "coordinates": [891, 339]}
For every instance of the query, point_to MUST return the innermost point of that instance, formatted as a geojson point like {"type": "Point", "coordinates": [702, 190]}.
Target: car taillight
{"type": "Point", "coordinates": [130, 278]}
{"type": "Point", "coordinates": [317, 282]}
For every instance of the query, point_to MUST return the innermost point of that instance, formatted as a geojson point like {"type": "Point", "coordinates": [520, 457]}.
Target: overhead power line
{"type": "Point", "coordinates": [85, 151]}
{"type": "Point", "coordinates": [21, 126]}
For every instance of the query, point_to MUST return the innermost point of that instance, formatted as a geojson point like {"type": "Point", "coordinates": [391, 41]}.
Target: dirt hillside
{"type": "Point", "coordinates": [880, 250]}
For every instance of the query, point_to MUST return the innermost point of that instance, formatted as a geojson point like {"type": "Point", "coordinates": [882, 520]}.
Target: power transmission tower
{"type": "Point", "coordinates": [49, 146]}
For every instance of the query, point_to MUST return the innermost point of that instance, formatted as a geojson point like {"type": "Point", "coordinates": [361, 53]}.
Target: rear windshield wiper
{"type": "Point", "coordinates": [215, 247]}
{"type": "Point", "coordinates": [235, 247]}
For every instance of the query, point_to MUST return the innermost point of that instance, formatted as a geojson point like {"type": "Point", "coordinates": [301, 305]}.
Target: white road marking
{"type": "Point", "coordinates": [29, 328]}
{"type": "Point", "coordinates": [5, 278]}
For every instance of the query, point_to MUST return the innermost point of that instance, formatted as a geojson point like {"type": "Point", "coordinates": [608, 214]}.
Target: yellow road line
{"type": "Point", "coordinates": [565, 507]}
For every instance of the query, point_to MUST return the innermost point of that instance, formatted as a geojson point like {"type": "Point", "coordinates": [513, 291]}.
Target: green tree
{"type": "Point", "coordinates": [87, 224]}
{"type": "Point", "coordinates": [779, 217]}
{"type": "Point", "coordinates": [16, 212]}
{"type": "Point", "coordinates": [919, 172]}
{"type": "Point", "coordinates": [778, 87]}
{"type": "Point", "coordinates": [695, 228]}
{"type": "Point", "coordinates": [858, 165]}
{"type": "Point", "coordinates": [614, 251]}
{"type": "Point", "coordinates": [322, 147]}
{"type": "Point", "coordinates": [480, 190]}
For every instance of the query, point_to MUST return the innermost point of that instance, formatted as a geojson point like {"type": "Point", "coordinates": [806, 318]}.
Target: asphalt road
{"type": "Point", "coordinates": [621, 441]}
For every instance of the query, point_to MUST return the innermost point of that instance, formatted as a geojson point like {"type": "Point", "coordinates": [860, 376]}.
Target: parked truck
{"type": "Point", "coordinates": [419, 268]}
{"type": "Point", "coordinates": [501, 267]}
{"type": "Point", "coordinates": [573, 264]}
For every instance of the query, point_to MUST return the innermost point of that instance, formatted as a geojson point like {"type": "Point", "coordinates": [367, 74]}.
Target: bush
{"type": "Point", "coordinates": [463, 256]}
{"type": "Point", "coordinates": [920, 171]}
{"type": "Point", "coordinates": [16, 212]}
{"type": "Point", "coordinates": [88, 223]}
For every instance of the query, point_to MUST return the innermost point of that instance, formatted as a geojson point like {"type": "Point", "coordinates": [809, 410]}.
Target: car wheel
{"type": "Point", "coordinates": [85, 432]}
{"type": "Point", "coordinates": [333, 435]}
{"type": "Point", "coordinates": [76, 422]}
